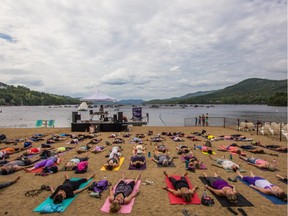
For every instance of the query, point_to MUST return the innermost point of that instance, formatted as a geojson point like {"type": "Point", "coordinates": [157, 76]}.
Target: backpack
{"type": "Point", "coordinates": [99, 186]}
{"type": "Point", "coordinates": [207, 201]}
{"type": "Point", "coordinates": [52, 169]}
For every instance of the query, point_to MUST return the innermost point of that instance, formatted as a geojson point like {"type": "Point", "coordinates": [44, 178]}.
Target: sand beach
{"type": "Point", "coordinates": [152, 200]}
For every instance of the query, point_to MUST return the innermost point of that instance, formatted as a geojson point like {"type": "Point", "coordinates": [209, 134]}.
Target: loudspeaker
{"type": "Point", "coordinates": [120, 117]}
{"type": "Point", "coordinates": [115, 118]}
{"type": "Point", "coordinates": [74, 117]}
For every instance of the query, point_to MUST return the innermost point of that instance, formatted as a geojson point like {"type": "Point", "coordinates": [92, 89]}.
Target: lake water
{"type": "Point", "coordinates": [26, 116]}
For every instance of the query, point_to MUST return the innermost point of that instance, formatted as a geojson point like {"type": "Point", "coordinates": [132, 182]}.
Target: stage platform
{"type": "Point", "coordinates": [100, 126]}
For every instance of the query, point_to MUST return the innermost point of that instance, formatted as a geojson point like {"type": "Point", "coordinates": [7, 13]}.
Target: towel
{"type": "Point", "coordinates": [66, 202]}
{"type": "Point", "coordinates": [125, 209]}
{"type": "Point", "coordinates": [273, 199]}
{"type": "Point", "coordinates": [241, 200]}
{"type": "Point", "coordinates": [116, 168]}
{"type": "Point", "coordinates": [179, 200]}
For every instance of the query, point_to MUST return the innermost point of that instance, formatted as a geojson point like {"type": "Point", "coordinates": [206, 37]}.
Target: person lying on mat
{"type": "Point", "coordinates": [183, 149]}
{"type": "Point", "coordinates": [12, 150]}
{"type": "Point", "coordinates": [123, 193]}
{"type": "Point", "coordinates": [225, 163]}
{"type": "Point", "coordinates": [16, 165]}
{"type": "Point", "coordinates": [221, 187]}
{"type": "Point", "coordinates": [112, 163]}
{"type": "Point", "coordinates": [177, 139]}
{"type": "Point", "coordinates": [140, 147]}
{"type": "Point", "coordinates": [204, 148]}
{"type": "Point", "coordinates": [252, 149]}
{"type": "Point", "coordinates": [138, 160]}
{"type": "Point", "coordinates": [181, 187]}
{"type": "Point", "coordinates": [264, 186]}
{"type": "Point", "coordinates": [162, 158]}
{"type": "Point", "coordinates": [45, 163]}
{"type": "Point", "coordinates": [262, 164]}
{"type": "Point", "coordinates": [193, 161]}
{"type": "Point", "coordinates": [73, 163]}
{"type": "Point", "coordinates": [33, 151]}
{"type": "Point", "coordinates": [68, 189]}
{"type": "Point", "coordinates": [63, 149]}
{"type": "Point", "coordinates": [161, 148]}
{"type": "Point", "coordinates": [95, 141]}
{"type": "Point", "coordinates": [84, 148]}
{"type": "Point", "coordinates": [282, 178]}
{"type": "Point", "coordinates": [118, 140]}
{"type": "Point", "coordinates": [272, 147]}
{"type": "Point", "coordinates": [231, 148]}
{"type": "Point", "coordinates": [97, 149]}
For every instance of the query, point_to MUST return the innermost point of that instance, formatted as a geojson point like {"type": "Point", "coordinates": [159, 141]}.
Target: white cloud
{"type": "Point", "coordinates": [141, 49]}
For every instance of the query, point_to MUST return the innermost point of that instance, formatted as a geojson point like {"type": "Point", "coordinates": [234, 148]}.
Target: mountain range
{"type": "Point", "coordinates": [249, 91]}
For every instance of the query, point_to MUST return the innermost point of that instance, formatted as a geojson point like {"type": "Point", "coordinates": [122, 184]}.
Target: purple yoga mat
{"type": "Point", "coordinates": [134, 168]}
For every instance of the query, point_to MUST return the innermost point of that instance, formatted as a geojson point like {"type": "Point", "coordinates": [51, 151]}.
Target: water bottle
{"type": "Point", "coordinates": [186, 164]}
{"type": "Point", "coordinates": [230, 156]}
{"type": "Point", "coordinates": [149, 154]}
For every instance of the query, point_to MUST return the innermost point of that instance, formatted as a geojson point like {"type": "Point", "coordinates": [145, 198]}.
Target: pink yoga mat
{"type": "Point", "coordinates": [125, 209]}
{"type": "Point", "coordinates": [178, 200]}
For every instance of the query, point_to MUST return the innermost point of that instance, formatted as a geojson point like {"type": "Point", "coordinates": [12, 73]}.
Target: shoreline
{"type": "Point", "coordinates": [15, 203]}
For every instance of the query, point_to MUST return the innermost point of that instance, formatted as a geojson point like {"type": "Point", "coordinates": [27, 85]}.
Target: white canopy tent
{"type": "Point", "coordinates": [98, 97]}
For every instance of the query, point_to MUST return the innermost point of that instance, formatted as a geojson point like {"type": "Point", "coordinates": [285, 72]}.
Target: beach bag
{"type": "Point", "coordinates": [208, 144]}
{"type": "Point", "coordinates": [99, 186]}
{"type": "Point", "coordinates": [81, 167]}
{"type": "Point", "coordinates": [2, 137]}
{"type": "Point", "coordinates": [51, 169]}
{"type": "Point", "coordinates": [207, 201]}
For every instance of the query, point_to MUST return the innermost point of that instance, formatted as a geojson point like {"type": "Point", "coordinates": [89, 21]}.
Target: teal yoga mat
{"type": "Point", "coordinates": [66, 202]}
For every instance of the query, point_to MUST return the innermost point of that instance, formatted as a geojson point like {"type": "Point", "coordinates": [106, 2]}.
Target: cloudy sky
{"type": "Point", "coordinates": [134, 49]}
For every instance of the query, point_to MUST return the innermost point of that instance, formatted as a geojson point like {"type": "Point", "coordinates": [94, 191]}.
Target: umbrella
{"type": "Point", "coordinates": [98, 96]}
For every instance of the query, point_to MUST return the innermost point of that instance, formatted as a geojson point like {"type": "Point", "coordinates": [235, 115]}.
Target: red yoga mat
{"type": "Point", "coordinates": [179, 200]}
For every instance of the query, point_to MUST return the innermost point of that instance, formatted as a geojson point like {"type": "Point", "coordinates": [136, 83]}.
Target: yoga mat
{"type": "Point", "coordinates": [241, 200]}
{"type": "Point", "coordinates": [125, 209]}
{"type": "Point", "coordinates": [179, 200]}
{"type": "Point", "coordinates": [116, 168]}
{"type": "Point", "coordinates": [170, 165]}
{"type": "Point", "coordinates": [66, 202]}
{"type": "Point", "coordinates": [134, 168]}
{"type": "Point", "coordinates": [206, 153]}
{"type": "Point", "coordinates": [273, 199]}
{"type": "Point", "coordinates": [283, 181]}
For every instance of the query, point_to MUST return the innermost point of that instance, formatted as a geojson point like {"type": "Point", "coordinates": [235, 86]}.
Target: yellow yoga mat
{"type": "Point", "coordinates": [206, 153]}
{"type": "Point", "coordinates": [116, 168]}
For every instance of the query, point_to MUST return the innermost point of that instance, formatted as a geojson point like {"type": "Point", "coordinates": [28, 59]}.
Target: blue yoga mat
{"type": "Point", "coordinates": [66, 202]}
{"type": "Point", "coordinates": [273, 199]}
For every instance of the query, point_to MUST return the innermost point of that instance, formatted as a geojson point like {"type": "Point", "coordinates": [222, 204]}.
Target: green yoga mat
{"type": "Point", "coordinates": [66, 202]}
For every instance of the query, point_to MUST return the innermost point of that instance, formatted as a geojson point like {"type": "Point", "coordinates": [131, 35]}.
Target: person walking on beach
{"type": "Point", "coordinates": [199, 120]}
{"type": "Point", "coordinates": [206, 119]}
{"type": "Point", "coordinates": [196, 121]}
{"type": "Point", "coordinates": [203, 120]}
